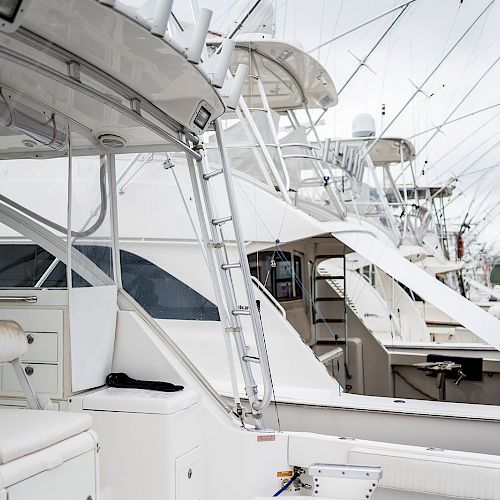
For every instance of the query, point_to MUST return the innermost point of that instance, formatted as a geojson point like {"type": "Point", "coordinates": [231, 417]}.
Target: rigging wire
{"type": "Point", "coordinates": [334, 31]}
{"type": "Point", "coordinates": [362, 25]}
{"type": "Point", "coordinates": [464, 98]}
{"type": "Point", "coordinates": [428, 78]}
{"type": "Point", "coordinates": [363, 61]}
{"type": "Point", "coordinates": [473, 149]}
{"type": "Point", "coordinates": [459, 118]}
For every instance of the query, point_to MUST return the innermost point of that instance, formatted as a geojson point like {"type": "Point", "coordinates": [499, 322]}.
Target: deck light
{"type": "Point", "coordinates": [11, 14]}
{"type": "Point", "coordinates": [32, 124]}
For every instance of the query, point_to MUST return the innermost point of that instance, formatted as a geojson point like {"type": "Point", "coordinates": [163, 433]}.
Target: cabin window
{"type": "Point", "coordinates": [162, 295]}
{"type": "Point", "coordinates": [280, 272]}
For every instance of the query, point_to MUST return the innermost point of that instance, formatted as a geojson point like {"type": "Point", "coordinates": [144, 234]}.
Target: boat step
{"type": "Point", "coordinates": [234, 265]}
{"type": "Point", "coordinates": [222, 220]}
{"type": "Point", "coordinates": [329, 320]}
{"type": "Point", "coordinates": [329, 299]}
{"type": "Point", "coordinates": [324, 277]}
{"type": "Point", "coordinates": [251, 359]}
{"type": "Point", "coordinates": [241, 312]}
{"type": "Point", "coordinates": [212, 173]}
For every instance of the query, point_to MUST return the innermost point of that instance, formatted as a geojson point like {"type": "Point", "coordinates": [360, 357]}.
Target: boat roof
{"type": "Point", "coordinates": [386, 150]}
{"type": "Point", "coordinates": [438, 191]}
{"type": "Point", "coordinates": [291, 77]}
{"type": "Point", "coordinates": [102, 70]}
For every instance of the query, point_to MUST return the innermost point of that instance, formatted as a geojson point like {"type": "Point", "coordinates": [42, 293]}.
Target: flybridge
{"type": "Point", "coordinates": [55, 43]}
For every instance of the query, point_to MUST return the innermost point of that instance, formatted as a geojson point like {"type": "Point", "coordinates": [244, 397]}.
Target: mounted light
{"type": "Point", "coordinates": [32, 124]}
{"type": "Point", "coordinates": [11, 14]}
{"type": "Point", "coordinates": [202, 117]}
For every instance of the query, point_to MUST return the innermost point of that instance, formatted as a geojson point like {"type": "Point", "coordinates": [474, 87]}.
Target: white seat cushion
{"type": "Point", "coordinates": [13, 343]}
{"type": "Point", "coordinates": [26, 431]}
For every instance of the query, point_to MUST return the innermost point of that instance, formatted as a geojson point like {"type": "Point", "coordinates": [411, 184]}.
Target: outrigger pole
{"type": "Point", "coordinates": [362, 62]}
{"type": "Point", "coordinates": [453, 111]}
{"type": "Point", "coordinates": [429, 76]}
{"type": "Point", "coordinates": [376, 18]}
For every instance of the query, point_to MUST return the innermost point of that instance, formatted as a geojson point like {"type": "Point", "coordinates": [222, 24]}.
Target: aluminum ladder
{"type": "Point", "coordinates": [221, 271]}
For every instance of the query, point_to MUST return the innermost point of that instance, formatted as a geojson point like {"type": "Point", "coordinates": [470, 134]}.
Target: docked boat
{"type": "Point", "coordinates": [98, 399]}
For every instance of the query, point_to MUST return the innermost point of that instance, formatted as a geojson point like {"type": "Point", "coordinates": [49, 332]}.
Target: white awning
{"type": "Point", "coordinates": [463, 311]}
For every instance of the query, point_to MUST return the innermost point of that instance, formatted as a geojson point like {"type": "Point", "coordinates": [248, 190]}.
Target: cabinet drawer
{"type": "Point", "coordinates": [35, 320]}
{"type": "Point", "coordinates": [42, 347]}
{"type": "Point", "coordinates": [43, 378]}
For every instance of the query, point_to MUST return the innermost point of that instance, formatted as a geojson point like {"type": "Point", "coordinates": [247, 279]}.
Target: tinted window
{"type": "Point", "coordinates": [281, 272]}
{"type": "Point", "coordinates": [162, 295]}
{"type": "Point", "coordinates": [21, 266]}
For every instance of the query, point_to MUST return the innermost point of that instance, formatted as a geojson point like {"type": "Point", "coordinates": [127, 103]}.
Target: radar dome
{"type": "Point", "coordinates": [363, 125]}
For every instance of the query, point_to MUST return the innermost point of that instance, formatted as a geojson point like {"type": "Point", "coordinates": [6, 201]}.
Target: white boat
{"type": "Point", "coordinates": [81, 81]}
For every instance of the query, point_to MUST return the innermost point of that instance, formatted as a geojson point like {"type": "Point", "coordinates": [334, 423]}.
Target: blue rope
{"type": "Point", "coordinates": [287, 485]}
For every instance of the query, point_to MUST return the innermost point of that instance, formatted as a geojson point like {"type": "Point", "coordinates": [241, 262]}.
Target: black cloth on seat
{"type": "Point", "coordinates": [123, 381]}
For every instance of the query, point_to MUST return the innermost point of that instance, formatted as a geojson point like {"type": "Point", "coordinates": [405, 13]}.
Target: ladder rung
{"type": "Point", "coordinates": [329, 320]}
{"type": "Point", "coordinates": [251, 359]}
{"type": "Point", "coordinates": [241, 312]}
{"type": "Point", "coordinates": [329, 256]}
{"type": "Point", "coordinates": [258, 109]}
{"type": "Point", "coordinates": [222, 220]}
{"type": "Point", "coordinates": [234, 265]}
{"type": "Point", "coordinates": [329, 299]}
{"type": "Point", "coordinates": [213, 173]}
{"type": "Point", "coordinates": [323, 277]}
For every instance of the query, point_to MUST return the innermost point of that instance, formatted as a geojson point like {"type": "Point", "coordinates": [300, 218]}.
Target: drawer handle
{"type": "Point", "coordinates": [29, 299]}
{"type": "Point", "coordinates": [30, 338]}
{"type": "Point", "coordinates": [29, 370]}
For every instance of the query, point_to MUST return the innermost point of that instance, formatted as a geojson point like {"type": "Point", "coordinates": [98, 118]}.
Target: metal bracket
{"type": "Point", "coordinates": [345, 471]}
{"type": "Point", "coordinates": [135, 105]}
{"type": "Point", "coordinates": [232, 329]}
{"type": "Point", "coordinates": [350, 482]}
{"type": "Point", "coordinates": [74, 70]}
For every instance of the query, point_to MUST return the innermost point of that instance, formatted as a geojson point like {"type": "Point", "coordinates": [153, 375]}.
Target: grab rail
{"type": "Point", "coordinates": [269, 295]}
{"type": "Point", "coordinates": [29, 299]}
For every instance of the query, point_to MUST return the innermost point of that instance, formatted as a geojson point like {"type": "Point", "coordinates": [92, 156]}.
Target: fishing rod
{"type": "Point", "coordinates": [431, 74]}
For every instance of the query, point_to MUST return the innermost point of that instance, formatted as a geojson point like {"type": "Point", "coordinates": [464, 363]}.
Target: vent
{"type": "Point", "coordinates": [112, 141]}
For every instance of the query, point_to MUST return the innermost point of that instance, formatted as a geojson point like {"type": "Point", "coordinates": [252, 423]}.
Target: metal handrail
{"type": "Point", "coordinates": [269, 295]}
{"type": "Point", "coordinates": [32, 299]}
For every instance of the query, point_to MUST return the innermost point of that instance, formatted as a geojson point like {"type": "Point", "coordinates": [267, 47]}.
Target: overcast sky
{"type": "Point", "coordinates": [411, 50]}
